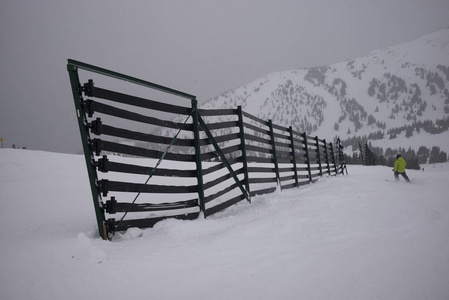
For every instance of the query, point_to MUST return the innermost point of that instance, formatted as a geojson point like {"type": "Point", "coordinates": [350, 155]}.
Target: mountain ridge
{"type": "Point", "coordinates": [391, 90]}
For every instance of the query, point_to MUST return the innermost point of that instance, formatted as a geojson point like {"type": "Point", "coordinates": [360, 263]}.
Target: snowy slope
{"type": "Point", "coordinates": [387, 89]}
{"type": "Point", "coordinates": [345, 237]}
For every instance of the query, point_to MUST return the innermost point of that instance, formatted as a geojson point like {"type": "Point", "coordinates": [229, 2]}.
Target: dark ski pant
{"type": "Point", "coordinates": [396, 176]}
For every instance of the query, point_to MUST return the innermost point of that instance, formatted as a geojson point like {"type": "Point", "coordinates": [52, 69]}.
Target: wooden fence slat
{"type": "Point", "coordinates": [94, 106]}
{"type": "Point", "coordinates": [263, 191]}
{"type": "Point", "coordinates": [254, 118]}
{"type": "Point", "coordinates": [150, 222]}
{"type": "Point", "coordinates": [261, 170]}
{"type": "Point", "coordinates": [273, 145]}
{"type": "Point", "coordinates": [216, 181]}
{"type": "Point", "coordinates": [221, 193]}
{"type": "Point", "coordinates": [293, 151]}
{"type": "Point", "coordinates": [243, 149]}
{"type": "Point", "coordinates": [223, 205]}
{"type": "Point", "coordinates": [101, 145]}
{"type": "Point", "coordinates": [139, 207]}
{"type": "Point", "coordinates": [106, 186]}
{"type": "Point", "coordinates": [136, 101]}
{"type": "Point", "coordinates": [139, 136]}
{"type": "Point", "coordinates": [257, 129]}
{"type": "Point", "coordinates": [104, 165]}
{"type": "Point", "coordinates": [217, 112]}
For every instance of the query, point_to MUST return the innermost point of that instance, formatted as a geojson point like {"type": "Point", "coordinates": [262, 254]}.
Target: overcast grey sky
{"type": "Point", "coordinates": [202, 47]}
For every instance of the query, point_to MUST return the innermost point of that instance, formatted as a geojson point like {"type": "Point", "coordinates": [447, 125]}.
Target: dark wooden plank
{"type": "Point", "coordinates": [263, 191]}
{"type": "Point", "coordinates": [303, 176]}
{"type": "Point", "coordinates": [281, 136]}
{"type": "Point", "coordinates": [220, 139]}
{"type": "Point", "coordinates": [100, 145]}
{"type": "Point", "coordinates": [106, 186]}
{"type": "Point", "coordinates": [221, 165]}
{"type": "Point", "coordinates": [217, 112]}
{"type": "Point", "coordinates": [278, 127]}
{"type": "Point", "coordinates": [220, 179]}
{"type": "Point", "coordinates": [259, 139]}
{"type": "Point", "coordinates": [262, 180]}
{"type": "Point", "coordinates": [285, 178]}
{"type": "Point", "coordinates": [227, 137]}
{"type": "Point", "coordinates": [302, 183]}
{"type": "Point", "coordinates": [260, 170]}
{"type": "Point", "coordinates": [137, 101]}
{"type": "Point", "coordinates": [289, 186]}
{"type": "Point", "coordinates": [254, 118]}
{"type": "Point", "coordinates": [257, 129]}
{"type": "Point", "coordinates": [134, 135]}
{"type": "Point", "coordinates": [128, 115]}
{"type": "Point", "coordinates": [286, 169]}
{"type": "Point", "coordinates": [316, 175]}
{"type": "Point", "coordinates": [213, 154]}
{"type": "Point", "coordinates": [133, 169]}
{"type": "Point", "coordinates": [226, 190]}
{"type": "Point", "coordinates": [139, 207]}
{"type": "Point", "coordinates": [223, 205]}
{"type": "Point", "coordinates": [150, 222]}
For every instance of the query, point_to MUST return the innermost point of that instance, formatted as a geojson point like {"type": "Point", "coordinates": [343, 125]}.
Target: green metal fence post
{"type": "Point", "coordinates": [341, 158]}
{"type": "Point", "coordinates": [334, 161]}
{"type": "Point", "coordinates": [275, 159]}
{"type": "Point", "coordinates": [242, 142]}
{"type": "Point", "coordinates": [318, 155]}
{"type": "Point", "coordinates": [199, 168]}
{"type": "Point", "coordinates": [306, 148]}
{"type": "Point", "coordinates": [88, 154]}
{"type": "Point", "coordinates": [295, 171]}
{"type": "Point", "coordinates": [326, 157]}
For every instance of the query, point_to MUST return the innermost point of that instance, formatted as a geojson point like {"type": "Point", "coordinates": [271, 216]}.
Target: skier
{"type": "Point", "coordinates": [399, 168]}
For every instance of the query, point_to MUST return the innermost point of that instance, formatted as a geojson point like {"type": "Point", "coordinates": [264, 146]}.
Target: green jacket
{"type": "Point", "coordinates": [399, 165]}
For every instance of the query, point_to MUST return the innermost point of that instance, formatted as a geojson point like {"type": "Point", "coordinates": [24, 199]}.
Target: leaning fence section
{"type": "Point", "coordinates": [144, 167]}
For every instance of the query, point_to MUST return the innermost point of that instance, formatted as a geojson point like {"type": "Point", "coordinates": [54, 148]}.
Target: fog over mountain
{"type": "Point", "coordinates": [396, 97]}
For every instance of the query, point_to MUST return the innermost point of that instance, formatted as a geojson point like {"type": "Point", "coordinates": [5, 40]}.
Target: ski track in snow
{"type": "Point", "coordinates": [345, 237]}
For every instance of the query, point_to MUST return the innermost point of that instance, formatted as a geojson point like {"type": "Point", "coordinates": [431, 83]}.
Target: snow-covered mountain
{"type": "Point", "coordinates": [393, 97]}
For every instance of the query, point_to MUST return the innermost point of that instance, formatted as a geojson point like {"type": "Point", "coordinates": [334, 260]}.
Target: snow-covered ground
{"type": "Point", "coordinates": [345, 237]}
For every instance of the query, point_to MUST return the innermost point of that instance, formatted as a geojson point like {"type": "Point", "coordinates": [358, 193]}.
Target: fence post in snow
{"type": "Point", "coordinates": [199, 168]}
{"type": "Point", "coordinates": [326, 157]}
{"type": "Point", "coordinates": [290, 130]}
{"type": "Point", "coordinates": [307, 157]}
{"type": "Point", "coordinates": [334, 162]}
{"type": "Point", "coordinates": [341, 158]}
{"type": "Point", "coordinates": [88, 154]}
{"type": "Point", "coordinates": [318, 155]}
{"type": "Point", "coordinates": [275, 160]}
{"type": "Point", "coordinates": [243, 147]}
